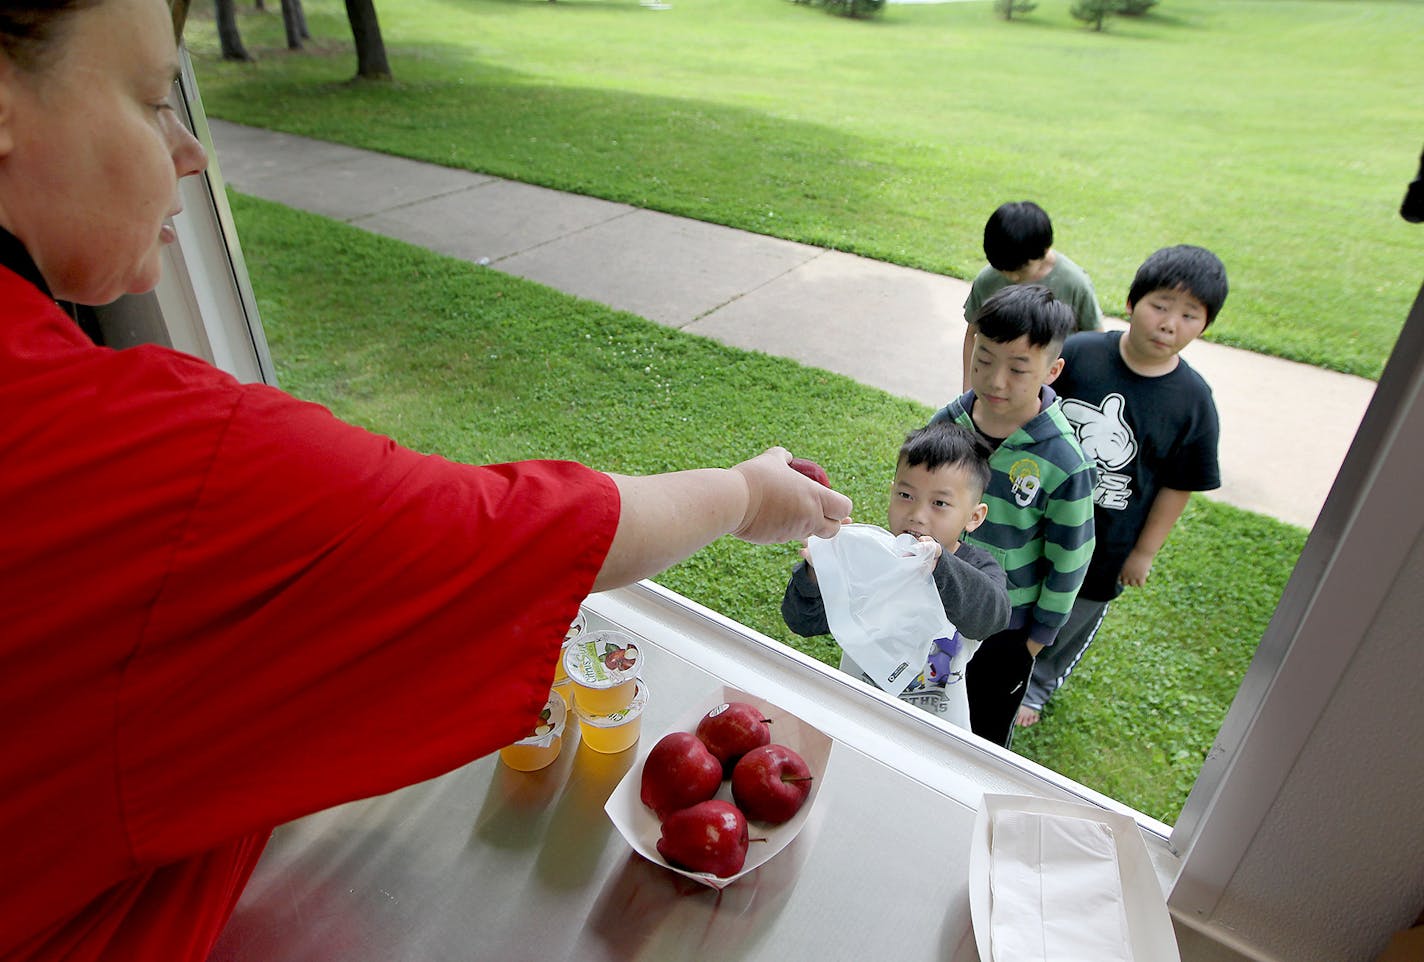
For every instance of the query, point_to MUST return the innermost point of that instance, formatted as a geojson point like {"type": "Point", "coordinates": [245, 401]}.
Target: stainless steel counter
{"type": "Point", "coordinates": [486, 863]}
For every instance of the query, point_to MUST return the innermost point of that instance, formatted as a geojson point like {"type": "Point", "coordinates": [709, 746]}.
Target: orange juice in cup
{"type": "Point", "coordinates": [603, 669]}
{"type": "Point", "coordinates": [540, 747]}
{"type": "Point", "coordinates": [614, 732]}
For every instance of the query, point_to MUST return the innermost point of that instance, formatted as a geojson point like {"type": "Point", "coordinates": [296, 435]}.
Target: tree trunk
{"type": "Point", "coordinates": [301, 20]}
{"type": "Point", "coordinates": [180, 16]}
{"type": "Point", "coordinates": [228, 37]}
{"type": "Point", "coordinates": [370, 48]}
{"type": "Point", "coordinates": [292, 21]}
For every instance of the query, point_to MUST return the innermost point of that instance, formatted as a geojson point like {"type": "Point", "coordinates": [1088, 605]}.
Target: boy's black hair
{"type": "Point", "coordinates": [1026, 309]}
{"type": "Point", "coordinates": [1195, 270]}
{"type": "Point", "coordinates": [1015, 234]}
{"type": "Point", "coordinates": [945, 443]}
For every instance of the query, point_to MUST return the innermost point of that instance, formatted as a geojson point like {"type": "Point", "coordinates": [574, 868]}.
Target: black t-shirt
{"type": "Point", "coordinates": [1143, 433]}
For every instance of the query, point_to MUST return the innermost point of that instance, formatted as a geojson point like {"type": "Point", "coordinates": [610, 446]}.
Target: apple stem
{"type": "Point", "coordinates": [798, 778]}
{"type": "Point", "coordinates": [756, 840]}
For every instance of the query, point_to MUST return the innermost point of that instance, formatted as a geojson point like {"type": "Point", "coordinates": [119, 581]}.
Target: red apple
{"type": "Point", "coordinates": [731, 730]}
{"type": "Point", "coordinates": [707, 837]}
{"type": "Point", "coordinates": [679, 772]}
{"type": "Point", "coordinates": [771, 783]}
{"type": "Point", "coordinates": [812, 470]}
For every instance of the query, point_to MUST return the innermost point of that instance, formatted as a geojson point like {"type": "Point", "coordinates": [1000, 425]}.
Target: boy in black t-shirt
{"type": "Point", "coordinates": [1148, 421]}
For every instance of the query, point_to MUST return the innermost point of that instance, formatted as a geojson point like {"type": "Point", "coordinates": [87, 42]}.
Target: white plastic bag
{"type": "Point", "coordinates": [881, 603]}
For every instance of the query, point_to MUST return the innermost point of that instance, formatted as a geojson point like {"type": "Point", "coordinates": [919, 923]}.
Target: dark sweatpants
{"type": "Point", "coordinates": [995, 682]}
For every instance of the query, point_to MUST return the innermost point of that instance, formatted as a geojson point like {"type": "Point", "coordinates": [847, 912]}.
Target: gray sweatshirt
{"type": "Point", "coordinates": [970, 582]}
{"type": "Point", "coordinates": [976, 599]}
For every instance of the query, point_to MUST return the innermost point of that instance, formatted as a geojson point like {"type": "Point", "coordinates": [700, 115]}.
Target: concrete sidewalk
{"type": "Point", "coordinates": [1285, 427]}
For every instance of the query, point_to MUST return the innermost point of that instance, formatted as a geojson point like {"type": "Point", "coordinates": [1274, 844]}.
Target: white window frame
{"type": "Point", "coordinates": [1370, 522]}
{"type": "Point", "coordinates": [203, 304]}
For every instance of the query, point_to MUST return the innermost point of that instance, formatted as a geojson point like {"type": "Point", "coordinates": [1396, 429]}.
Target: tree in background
{"type": "Point", "coordinates": [371, 62]}
{"type": "Point", "coordinates": [1094, 12]}
{"type": "Point", "coordinates": [179, 9]}
{"type": "Point", "coordinates": [229, 40]}
{"type": "Point", "coordinates": [1007, 8]}
{"type": "Point", "coordinates": [294, 21]}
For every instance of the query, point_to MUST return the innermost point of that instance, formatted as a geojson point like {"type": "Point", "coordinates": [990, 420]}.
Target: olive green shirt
{"type": "Point", "coordinates": [1067, 281]}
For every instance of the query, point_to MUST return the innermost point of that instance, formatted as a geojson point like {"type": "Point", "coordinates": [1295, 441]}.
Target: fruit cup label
{"type": "Point", "coordinates": [576, 628]}
{"type": "Point", "coordinates": [549, 726]}
{"type": "Point", "coordinates": [603, 659]}
{"type": "Point", "coordinates": [618, 717]}
{"type": "Point", "coordinates": [614, 719]}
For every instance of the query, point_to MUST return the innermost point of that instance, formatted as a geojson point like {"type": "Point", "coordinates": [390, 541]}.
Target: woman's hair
{"type": "Point", "coordinates": [30, 30]}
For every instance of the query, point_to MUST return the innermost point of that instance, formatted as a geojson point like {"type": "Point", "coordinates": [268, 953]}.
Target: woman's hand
{"type": "Point", "coordinates": [785, 505]}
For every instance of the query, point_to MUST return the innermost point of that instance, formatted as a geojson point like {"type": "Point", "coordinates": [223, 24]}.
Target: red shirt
{"type": "Point", "coordinates": [220, 609]}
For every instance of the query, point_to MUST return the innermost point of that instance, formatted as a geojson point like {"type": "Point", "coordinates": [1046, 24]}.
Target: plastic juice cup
{"type": "Point", "coordinates": [615, 732]}
{"type": "Point", "coordinates": [540, 747]}
{"type": "Point", "coordinates": [603, 667]}
{"type": "Point", "coordinates": [566, 692]}
{"type": "Point", "coordinates": [561, 674]}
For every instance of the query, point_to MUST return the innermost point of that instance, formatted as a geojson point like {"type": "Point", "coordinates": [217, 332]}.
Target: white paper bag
{"type": "Point", "coordinates": [1057, 895]}
{"type": "Point", "coordinates": [881, 602]}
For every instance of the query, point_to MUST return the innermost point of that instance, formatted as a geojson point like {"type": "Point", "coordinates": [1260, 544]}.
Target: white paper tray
{"type": "Point", "coordinates": [641, 828]}
{"type": "Point", "coordinates": [1149, 926]}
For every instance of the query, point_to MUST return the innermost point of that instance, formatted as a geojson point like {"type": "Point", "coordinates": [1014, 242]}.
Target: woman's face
{"type": "Point", "coordinates": [91, 152]}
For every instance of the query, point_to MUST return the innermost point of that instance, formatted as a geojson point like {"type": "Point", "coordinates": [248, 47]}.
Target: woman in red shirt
{"type": "Point", "coordinates": [280, 612]}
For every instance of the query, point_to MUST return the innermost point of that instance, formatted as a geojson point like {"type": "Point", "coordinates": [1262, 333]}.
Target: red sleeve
{"type": "Point", "coordinates": [344, 617]}
{"type": "Point", "coordinates": [221, 608]}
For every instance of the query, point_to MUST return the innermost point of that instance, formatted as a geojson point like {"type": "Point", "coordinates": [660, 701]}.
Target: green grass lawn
{"type": "Point", "coordinates": [1280, 133]}
{"type": "Point", "coordinates": [479, 366]}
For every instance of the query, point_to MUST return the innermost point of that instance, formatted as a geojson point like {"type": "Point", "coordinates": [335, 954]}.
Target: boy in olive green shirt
{"type": "Point", "coordinates": [1018, 243]}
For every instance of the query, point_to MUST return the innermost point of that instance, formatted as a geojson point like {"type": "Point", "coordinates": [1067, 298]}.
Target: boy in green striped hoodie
{"type": "Point", "coordinates": [1040, 494]}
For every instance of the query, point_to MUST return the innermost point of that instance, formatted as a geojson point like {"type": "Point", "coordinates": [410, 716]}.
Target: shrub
{"type": "Point", "coordinates": [1094, 12]}
{"type": "Point", "coordinates": [850, 8]}
{"type": "Point", "coordinates": [1007, 8]}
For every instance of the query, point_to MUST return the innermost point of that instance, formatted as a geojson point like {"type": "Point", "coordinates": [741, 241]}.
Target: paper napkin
{"type": "Point", "coordinates": [1057, 894]}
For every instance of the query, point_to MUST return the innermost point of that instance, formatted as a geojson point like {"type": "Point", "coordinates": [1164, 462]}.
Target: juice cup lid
{"type": "Point", "coordinates": [550, 725]}
{"type": "Point", "coordinates": [634, 710]}
{"type": "Point", "coordinates": [603, 659]}
{"type": "Point", "coordinates": [576, 627]}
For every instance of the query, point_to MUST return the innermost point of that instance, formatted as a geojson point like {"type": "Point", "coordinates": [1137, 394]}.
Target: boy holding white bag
{"type": "Point", "coordinates": [910, 597]}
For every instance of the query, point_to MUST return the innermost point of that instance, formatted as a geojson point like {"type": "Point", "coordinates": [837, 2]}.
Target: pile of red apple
{"type": "Point", "coordinates": [685, 770]}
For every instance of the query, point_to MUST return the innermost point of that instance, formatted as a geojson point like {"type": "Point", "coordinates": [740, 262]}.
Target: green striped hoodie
{"type": "Point", "coordinates": [1040, 521]}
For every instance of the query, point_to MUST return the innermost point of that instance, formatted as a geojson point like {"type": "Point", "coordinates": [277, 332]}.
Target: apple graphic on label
{"type": "Point", "coordinates": [621, 659]}
{"type": "Point", "coordinates": [731, 730]}
{"type": "Point", "coordinates": [771, 783]}
{"type": "Point", "coordinates": [679, 772]}
{"type": "Point", "coordinates": [706, 837]}
{"type": "Point", "coordinates": [812, 470]}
